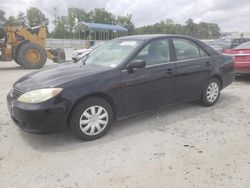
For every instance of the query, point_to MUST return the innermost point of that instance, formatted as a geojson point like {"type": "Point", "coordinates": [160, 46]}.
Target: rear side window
{"type": "Point", "coordinates": [186, 49]}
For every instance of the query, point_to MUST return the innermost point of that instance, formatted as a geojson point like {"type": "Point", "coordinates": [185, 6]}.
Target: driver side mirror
{"type": "Point", "coordinates": [136, 64]}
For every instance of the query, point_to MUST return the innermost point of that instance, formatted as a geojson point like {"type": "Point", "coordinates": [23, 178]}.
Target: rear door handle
{"type": "Point", "coordinates": [208, 63]}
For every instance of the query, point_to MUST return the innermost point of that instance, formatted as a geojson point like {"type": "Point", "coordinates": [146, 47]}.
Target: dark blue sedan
{"type": "Point", "coordinates": [123, 77]}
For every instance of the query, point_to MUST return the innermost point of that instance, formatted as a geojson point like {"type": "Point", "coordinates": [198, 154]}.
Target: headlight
{"type": "Point", "coordinates": [40, 95]}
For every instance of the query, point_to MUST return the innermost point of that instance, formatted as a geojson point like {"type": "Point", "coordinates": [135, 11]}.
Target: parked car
{"type": "Point", "coordinates": [218, 44]}
{"type": "Point", "coordinates": [238, 41]}
{"type": "Point", "coordinates": [242, 57]}
{"type": "Point", "coordinates": [79, 54]}
{"type": "Point", "coordinates": [121, 78]}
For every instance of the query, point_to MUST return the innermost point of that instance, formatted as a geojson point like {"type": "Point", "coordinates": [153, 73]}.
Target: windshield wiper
{"type": "Point", "coordinates": [85, 58]}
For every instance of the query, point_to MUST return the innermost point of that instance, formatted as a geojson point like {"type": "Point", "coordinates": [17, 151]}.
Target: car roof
{"type": "Point", "coordinates": [149, 37]}
{"type": "Point", "coordinates": [152, 36]}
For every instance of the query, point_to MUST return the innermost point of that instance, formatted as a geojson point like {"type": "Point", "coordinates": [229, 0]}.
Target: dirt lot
{"type": "Point", "coordinates": [182, 146]}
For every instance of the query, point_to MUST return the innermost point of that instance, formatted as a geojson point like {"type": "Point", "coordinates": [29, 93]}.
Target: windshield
{"type": "Point", "coordinates": [96, 45]}
{"type": "Point", "coordinates": [111, 53]}
{"type": "Point", "coordinates": [243, 46]}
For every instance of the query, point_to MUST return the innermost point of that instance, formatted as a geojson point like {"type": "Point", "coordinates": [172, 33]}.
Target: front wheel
{"type": "Point", "coordinates": [211, 93]}
{"type": "Point", "coordinates": [91, 118]}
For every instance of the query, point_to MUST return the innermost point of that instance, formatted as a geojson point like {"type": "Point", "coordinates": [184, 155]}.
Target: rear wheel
{"type": "Point", "coordinates": [91, 118]}
{"type": "Point", "coordinates": [211, 93]}
{"type": "Point", "coordinates": [31, 56]}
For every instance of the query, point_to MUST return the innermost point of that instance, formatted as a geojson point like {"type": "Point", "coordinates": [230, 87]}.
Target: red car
{"type": "Point", "coordinates": [241, 57]}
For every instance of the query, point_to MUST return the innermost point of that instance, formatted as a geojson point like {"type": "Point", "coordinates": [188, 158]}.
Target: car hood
{"type": "Point", "coordinates": [55, 76]}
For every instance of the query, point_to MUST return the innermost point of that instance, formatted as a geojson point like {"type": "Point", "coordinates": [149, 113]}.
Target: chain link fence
{"type": "Point", "coordinates": [69, 43]}
{"type": "Point", "coordinates": [66, 43]}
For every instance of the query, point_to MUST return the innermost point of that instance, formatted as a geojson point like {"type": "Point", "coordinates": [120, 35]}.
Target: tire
{"type": "Point", "coordinates": [84, 121]}
{"type": "Point", "coordinates": [16, 60]}
{"type": "Point", "coordinates": [31, 56]}
{"type": "Point", "coordinates": [60, 55]}
{"type": "Point", "coordinates": [211, 92]}
{"type": "Point", "coordinates": [15, 51]}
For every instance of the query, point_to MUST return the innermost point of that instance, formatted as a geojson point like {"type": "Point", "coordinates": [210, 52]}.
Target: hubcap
{"type": "Point", "coordinates": [93, 120]}
{"type": "Point", "coordinates": [212, 92]}
{"type": "Point", "coordinates": [33, 56]}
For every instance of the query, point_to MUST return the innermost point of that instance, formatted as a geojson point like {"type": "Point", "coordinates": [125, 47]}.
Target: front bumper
{"type": "Point", "coordinates": [38, 118]}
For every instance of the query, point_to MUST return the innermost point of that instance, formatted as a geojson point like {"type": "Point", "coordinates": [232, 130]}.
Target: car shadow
{"type": "Point", "coordinates": [243, 78]}
{"type": "Point", "coordinates": [168, 116]}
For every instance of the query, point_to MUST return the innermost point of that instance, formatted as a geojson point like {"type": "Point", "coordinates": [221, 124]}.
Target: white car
{"type": "Point", "coordinates": [79, 54]}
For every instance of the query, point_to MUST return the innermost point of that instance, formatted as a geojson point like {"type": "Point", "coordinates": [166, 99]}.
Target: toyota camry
{"type": "Point", "coordinates": [121, 78]}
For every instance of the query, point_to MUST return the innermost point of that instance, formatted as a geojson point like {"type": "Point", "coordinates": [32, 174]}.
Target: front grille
{"type": "Point", "coordinates": [16, 93]}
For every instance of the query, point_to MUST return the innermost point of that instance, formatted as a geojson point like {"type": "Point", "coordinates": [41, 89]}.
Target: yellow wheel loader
{"type": "Point", "coordinates": [27, 47]}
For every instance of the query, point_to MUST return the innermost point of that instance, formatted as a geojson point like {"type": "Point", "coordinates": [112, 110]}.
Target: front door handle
{"type": "Point", "coordinates": [170, 71]}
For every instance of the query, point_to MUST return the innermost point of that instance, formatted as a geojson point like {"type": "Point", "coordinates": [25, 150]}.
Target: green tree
{"type": "Point", "coordinates": [2, 22]}
{"type": "Point", "coordinates": [202, 30]}
{"type": "Point", "coordinates": [55, 11]}
{"type": "Point", "coordinates": [191, 28]}
{"type": "Point", "coordinates": [75, 15]}
{"type": "Point", "coordinates": [21, 17]}
{"type": "Point", "coordinates": [2, 16]}
{"type": "Point", "coordinates": [11, 21]}
{"type": "Point", "coordinates": [62, 28]}
{"type": "Point", "coordinates": [167, 27]}
{"type": "Point", "coordinates": [126, 21]}
{"type": "Point", "coordinates": [102, 16]}
{"type": "Point", "coordinates": [35, 17]}
{"type": "Point", "coordinates": [214, 30]}
{"type": "Point", "coordinates": [64, 25]}
{"type": "Point", "coordinates": [180, 29]}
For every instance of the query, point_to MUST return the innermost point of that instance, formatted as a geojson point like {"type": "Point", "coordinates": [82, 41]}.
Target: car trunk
{"type": "Point", "coordinates": [241, 58]}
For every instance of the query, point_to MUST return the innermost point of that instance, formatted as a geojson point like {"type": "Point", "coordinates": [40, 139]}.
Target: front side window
{"type": "Point", "coordinates": [186, 49]}
{"type": "Point", "coordinates": [155, 53]}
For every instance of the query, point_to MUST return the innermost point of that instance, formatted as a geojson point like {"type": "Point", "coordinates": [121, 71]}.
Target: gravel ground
{"type": "Point", "coordinates": [187, 145]}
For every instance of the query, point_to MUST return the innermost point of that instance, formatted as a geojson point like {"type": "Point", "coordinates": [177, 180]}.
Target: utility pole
{"type": "Point", "coordinates": [55, 10]}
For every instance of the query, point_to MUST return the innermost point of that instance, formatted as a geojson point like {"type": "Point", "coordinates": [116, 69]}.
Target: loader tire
{"type": "Point", "coordinates": [60, 55]}
{"type": "Point", "coordinates": [31, 56]}
{"type": "Point", "coordinates": [16, 60]}
{"type": "Point", "coordinates": [15, 51]}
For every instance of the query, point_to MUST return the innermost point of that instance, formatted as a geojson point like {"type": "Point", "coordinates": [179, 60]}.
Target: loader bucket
{"type": "Point", "coordinates": [59, 55]}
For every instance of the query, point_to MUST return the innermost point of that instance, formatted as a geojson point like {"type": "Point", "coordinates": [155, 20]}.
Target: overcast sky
{"type": "Point", "coordinates": [231, 15]}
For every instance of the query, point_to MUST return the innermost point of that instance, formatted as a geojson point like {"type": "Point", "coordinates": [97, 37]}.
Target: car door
{"type": "Point", "coordinates": [152, 86]}
{"type": "Point", "coordinates": [194, 67]}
